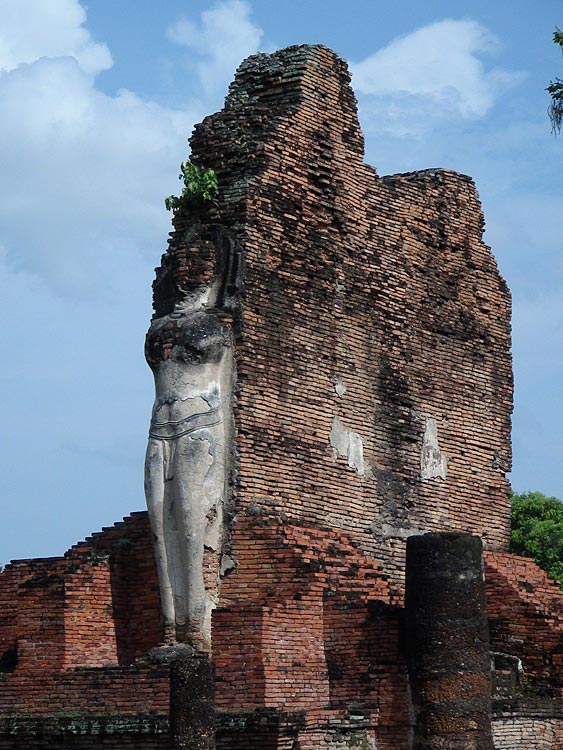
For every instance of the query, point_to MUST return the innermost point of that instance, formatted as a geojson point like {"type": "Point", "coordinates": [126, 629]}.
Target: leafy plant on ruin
{"type": "Point", "coordinates": [555, 90]}
{"type": "Point", "coordinates": [200, 187]}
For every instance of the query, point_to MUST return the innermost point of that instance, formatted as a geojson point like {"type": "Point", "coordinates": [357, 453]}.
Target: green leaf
{"type": "Point", "coordinates": [200, 186]}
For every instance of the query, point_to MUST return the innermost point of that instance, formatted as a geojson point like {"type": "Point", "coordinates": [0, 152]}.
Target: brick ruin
{"type": "Point", "coordinates": [373, 392]}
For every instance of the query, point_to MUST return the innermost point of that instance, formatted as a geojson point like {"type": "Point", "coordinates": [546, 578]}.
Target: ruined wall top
{"type": "Point", "coordinates": [290, 77]}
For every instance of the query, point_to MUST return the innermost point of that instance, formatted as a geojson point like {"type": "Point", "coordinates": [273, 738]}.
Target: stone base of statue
{"type": "Point", "coordinates": [192, 707]}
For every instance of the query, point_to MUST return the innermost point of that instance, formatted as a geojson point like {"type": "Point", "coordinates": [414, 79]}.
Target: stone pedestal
{"type": "Point", "coordinates": [448, 642]}
{"type": "Point", "coordinates": [192, 709]}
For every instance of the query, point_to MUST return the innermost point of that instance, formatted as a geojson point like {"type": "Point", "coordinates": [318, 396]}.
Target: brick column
{"type": "Point", "coordinates": [448, 642]}
{"type": "Point", "coordinates": [192, 703]}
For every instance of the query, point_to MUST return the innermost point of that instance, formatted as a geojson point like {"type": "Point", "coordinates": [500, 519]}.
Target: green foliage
{"type": "Point", "coordinates": [555, 89]}
{"type": "Point", "coordinates": [200, 187]}
{"type": "Point", "coordinates": [537, 531]}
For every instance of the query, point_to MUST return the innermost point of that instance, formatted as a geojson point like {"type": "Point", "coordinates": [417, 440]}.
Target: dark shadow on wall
{"type": "Point", "coordinates": [9, 659]}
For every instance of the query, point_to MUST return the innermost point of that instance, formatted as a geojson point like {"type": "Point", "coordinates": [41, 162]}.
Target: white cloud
{"type": "Point", "coordinates": [34, 29]}
{"type": "Point", "coordinates": [83, 173]}
{"type": "Point", "coordinates": [431, 73]}
{"type": "Point", "coordinates": [90, 169]}
{"type": "Point", "coordinates": [224, 36]}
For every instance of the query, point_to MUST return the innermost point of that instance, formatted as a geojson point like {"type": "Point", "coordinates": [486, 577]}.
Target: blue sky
{"type": "Point", "coordinates": [97, 104]}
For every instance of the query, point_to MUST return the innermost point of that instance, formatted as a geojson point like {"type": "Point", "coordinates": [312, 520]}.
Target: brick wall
{"type": "Point", "coordinates": [89, 626]}
{"type": "Point", "coordinates": [134, 586]}
{"type": "Point", "coordinates": [143, 732]}
{"type": "Point", "coordinates": [526, 617]}
{"type": "Point", "coordinates": [38, 625]}
{"type": "Point", "coordinates": [97, 605]}
{"type": "Point", "coordinates": [525, 611]}
{"type": "Point", "coordinates": [320, 634]}
{"type": "Point", "coordinates": [293, 576]}
{"type": "Point", "coordinates": [122, 690]}
{"type": "Point", "coordinates": [69, 623]}
{"type": "Point", "coordinates": [527, 733]}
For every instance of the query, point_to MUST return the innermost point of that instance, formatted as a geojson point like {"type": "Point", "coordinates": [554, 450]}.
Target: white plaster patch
{"type": "Point", "coordinates": [193, 301]}
{"type": "Point", "coordinates": [433, 463]}
{"type": "Point", "coordinates": [212, 538]}
{"type": "Point", "coordinates": [340, 388]}
{"type": "Point", "coordinates": [399, 532]}
{"type": "Point", "coordinates": [227, 564]}
{"type": "Point", "coordinates": [347, 444]}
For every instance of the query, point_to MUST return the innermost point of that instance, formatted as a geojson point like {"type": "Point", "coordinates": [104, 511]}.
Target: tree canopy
{"type": "Point", "coordinates": [555, 89]}
{"type": "Point", "coordinates": [537, 531]}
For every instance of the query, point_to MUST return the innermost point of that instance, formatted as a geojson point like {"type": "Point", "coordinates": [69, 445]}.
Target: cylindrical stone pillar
{"type": "Point", "coordinates": [192, 703]}
{"type": "Point", "coordinates": [448, 649]}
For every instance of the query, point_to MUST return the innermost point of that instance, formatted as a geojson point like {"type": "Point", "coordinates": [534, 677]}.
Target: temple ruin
{"type": "Point", "coordinates": [332, 350]}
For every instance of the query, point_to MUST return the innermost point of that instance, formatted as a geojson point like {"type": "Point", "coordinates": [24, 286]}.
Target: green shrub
{"type": "Point", "coordinates": [537, 531]}
{"type": "Point", "coordinates": [200, 187]}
